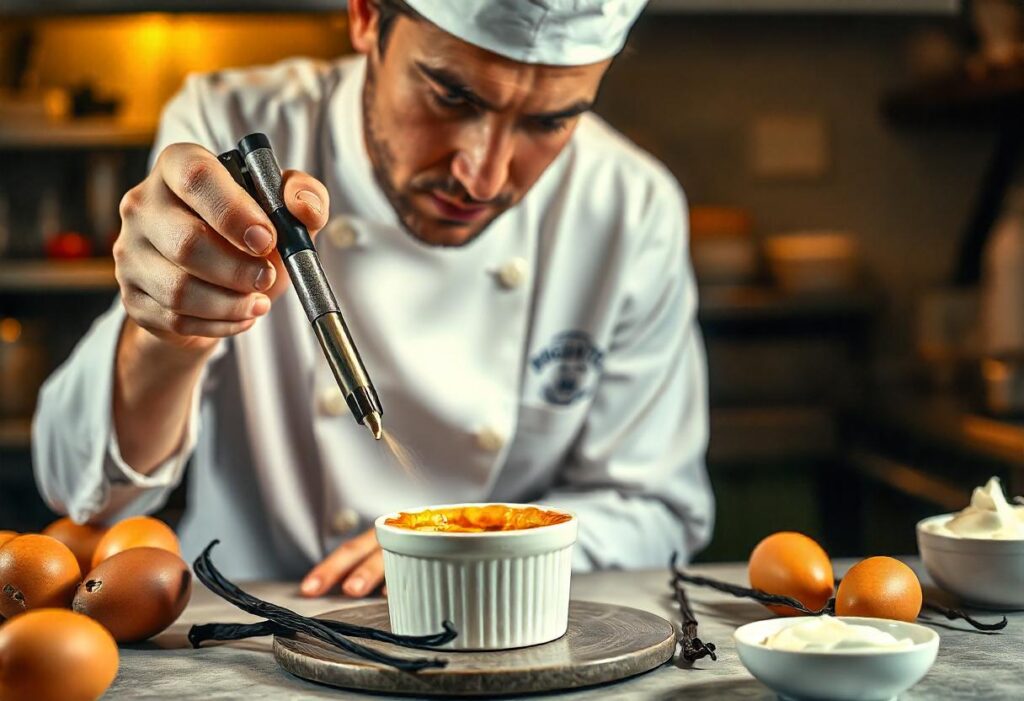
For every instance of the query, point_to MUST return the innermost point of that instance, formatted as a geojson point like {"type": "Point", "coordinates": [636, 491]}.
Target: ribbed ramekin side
{"type": "Point", "coordinates": [494, 603]}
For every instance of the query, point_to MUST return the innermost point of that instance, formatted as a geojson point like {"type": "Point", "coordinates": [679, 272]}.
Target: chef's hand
{"type": "Point", "coordinates": [358, 564]}
{"type": "Point", "coordinates": [196, 257]}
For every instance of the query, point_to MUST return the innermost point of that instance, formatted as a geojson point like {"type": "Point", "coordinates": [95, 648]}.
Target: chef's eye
{"type": "Point", "coordinates": [449, 100]}
{"type": "Point", "coordinates": [548, 126]}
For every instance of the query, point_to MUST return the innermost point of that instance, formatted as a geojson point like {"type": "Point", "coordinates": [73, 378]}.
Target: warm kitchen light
{"type": "Point", "coordinates": [142, 59]}
{"type": "Point", "coordinates": [10, 330]}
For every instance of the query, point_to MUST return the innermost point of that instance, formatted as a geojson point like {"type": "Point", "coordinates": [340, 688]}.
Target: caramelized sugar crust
{"type": "Point", "coordinates": [477, 519]}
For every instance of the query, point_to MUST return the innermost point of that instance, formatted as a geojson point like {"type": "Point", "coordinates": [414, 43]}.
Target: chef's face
{"type": "Point", "coordinates": [457, 134]}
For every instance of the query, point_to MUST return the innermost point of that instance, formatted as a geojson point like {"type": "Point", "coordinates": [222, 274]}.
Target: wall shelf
{"type": "Point", "coordinates": [94, 274]}
{"type": "Point", "coordinates": [720, 303]}
{"type": "Point", "coordinates": [80, 7]}
{"type": "Point", "coordinates": [882, 7]}
{"type": "Point", "coordinates": [15, 433]}
{"type": "Point", "coordinates": [958, 101]}
{"type": "Point", "coordinates": [80, 133]}
{"type": "Point", "coordinates": [830, 7]}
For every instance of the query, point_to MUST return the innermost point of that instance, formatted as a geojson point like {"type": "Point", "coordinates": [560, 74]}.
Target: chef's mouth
{"type": "Point", "coordinates": [454, 210]}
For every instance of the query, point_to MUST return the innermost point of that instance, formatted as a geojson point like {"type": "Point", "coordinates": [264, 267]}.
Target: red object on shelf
{"type": "Point", "coordinates": [68, 245]}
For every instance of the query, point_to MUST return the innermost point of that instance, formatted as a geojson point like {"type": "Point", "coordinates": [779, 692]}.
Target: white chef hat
{"type": "Point", "coordinates": [555, 32]}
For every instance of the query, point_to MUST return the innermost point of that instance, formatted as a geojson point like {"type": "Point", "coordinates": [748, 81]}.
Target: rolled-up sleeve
{"type": "Point", "coordinates": [76, 457]}
{"type": "Point", "coordinates": [78, 465]}
{"type": "Point", "coordinates": [636, 476]}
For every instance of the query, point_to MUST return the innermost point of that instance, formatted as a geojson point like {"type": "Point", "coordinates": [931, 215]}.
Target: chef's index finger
{"type": "Point", "coordinates": [198, 179]}
{"type": "Point", "coordinates": [339, 564]}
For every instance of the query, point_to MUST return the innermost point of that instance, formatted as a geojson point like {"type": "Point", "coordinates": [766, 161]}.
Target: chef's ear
{"type": "Point", "coordinates": [364, 24]}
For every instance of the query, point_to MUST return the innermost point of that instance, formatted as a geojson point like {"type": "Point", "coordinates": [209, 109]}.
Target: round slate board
{"type": "Point", "coordinates": [603, 643]}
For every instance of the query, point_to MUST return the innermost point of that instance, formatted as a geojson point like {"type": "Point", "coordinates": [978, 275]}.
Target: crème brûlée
{"type": "Point", "coordinates": [477, 519]}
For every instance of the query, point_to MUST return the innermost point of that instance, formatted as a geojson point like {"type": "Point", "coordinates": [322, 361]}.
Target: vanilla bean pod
{"type": "Point", "coordinates": [693, 648]}
{"type": "Point", "coordinates": [750, 593]}
{"type": "Point", "coordinates": [954, 614]}
{"type": "Point", "coordinates": [217, 583]}
{"type": "Point", "coordinates": [199, 634]}
{"type": "Point", "coordinates": [829, 608]}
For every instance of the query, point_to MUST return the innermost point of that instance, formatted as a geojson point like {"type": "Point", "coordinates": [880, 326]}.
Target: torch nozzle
{"type": "Point", "coordinates": [372, 421]}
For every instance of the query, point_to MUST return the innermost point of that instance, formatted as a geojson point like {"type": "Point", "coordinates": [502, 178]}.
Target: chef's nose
{"type": "Point", "coordinates": [482, 164]}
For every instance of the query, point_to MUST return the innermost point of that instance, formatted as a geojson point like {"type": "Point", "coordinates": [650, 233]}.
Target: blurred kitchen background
{"type": "Point", "coordinates": [856, 190]}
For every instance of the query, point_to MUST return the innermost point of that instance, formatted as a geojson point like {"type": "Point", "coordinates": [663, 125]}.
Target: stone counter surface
{"type": "Point", "coordinates": [970, 665]}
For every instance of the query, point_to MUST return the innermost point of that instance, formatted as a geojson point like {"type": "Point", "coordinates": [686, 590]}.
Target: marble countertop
{"type": "Point", "coordinates": [970, 665]}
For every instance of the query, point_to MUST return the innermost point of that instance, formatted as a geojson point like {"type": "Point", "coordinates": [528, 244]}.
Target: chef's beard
{"type": "Point", "coordinates": [382, 160]}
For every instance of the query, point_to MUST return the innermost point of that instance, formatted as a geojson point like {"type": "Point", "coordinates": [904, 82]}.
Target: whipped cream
{"type": "Point", "coordinates": [829, 634]}
{"type": "Point", "coordinates": [989, 516]}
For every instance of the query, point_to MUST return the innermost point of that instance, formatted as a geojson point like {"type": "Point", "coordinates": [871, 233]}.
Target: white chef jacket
{"type": "Point", "coordinates": [554, 359]}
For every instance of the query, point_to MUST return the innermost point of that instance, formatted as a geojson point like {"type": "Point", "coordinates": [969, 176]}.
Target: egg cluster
{"type": "Point", "coordinates": [60, 639]}
{"type": "Point", "coordinates": [791, 564]}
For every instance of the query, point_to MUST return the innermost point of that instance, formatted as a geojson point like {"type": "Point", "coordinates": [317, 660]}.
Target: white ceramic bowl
{"type": "Point", "coordinates": [840, 676]}
{"type": "Point", "coordinates": [501, 589]}
{"type": "Point", "coordinates": [983, 572]}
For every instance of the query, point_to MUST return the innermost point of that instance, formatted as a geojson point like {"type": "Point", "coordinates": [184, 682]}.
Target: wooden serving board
{"type": "Point", "coordinates": [603, 643]}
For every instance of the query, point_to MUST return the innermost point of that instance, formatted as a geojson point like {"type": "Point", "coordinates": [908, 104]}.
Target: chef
{"type": "Point", "coordinates": [512, 270]}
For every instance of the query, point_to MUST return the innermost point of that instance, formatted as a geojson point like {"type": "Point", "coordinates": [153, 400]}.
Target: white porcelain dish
{"type": "Point", "coordinates": [981, 571]}
{"type": "Point", "coordinates": [838, 675]}
{"type": "Point", "coordinates": [501, 589]}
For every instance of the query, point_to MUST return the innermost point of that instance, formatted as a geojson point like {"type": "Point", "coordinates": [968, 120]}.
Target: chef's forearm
{"type": "Point", "coordinates": [153, 387]}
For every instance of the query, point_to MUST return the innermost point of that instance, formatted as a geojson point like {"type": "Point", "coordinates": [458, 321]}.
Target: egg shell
{"type": "Point", "coordinates": [81, 538]}
{"type": "Point", "coordinates": [36, 571]}
{"type": "Point", "coordinates": [135, 532]}
{"type": "Point", "coordinates": [6, 536]}
{"type": "Point", "coordinates": [791, 564]}
{"type": "Point", "coordinates": [55, 655]}
{"type": "Point", "coordinates": [880, 587]}
{"type": "Point", "coordinates": [136, 593]}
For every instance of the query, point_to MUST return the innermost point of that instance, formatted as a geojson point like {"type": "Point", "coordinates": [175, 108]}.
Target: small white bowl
{"type": "Point", "coordinates": [845, 675]}
{"type": "Point", "coordinates": [501, 589]}
{"type": "Point", "coordinates": [981, 571]}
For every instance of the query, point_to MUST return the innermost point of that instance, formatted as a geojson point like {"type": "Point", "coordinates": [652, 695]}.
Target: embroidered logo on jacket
{"type": "Point", "coordinates": [568, 361]}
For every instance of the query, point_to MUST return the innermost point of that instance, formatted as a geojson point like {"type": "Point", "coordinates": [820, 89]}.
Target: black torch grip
{"type": "Point", "coordinates": [292, 236]}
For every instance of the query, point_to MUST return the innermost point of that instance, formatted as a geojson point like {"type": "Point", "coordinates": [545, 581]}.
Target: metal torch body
{"type": "Point", "coordinates": [254, 167]}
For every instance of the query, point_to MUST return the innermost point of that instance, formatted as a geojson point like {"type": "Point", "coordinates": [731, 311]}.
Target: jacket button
{"type": "Point", "coordinates": [331, 402]}
{"type": "Point", "coordinates": [345, 521]}
{"type": "Point", "coordinates": [341, 233]}
{"type": "Point", "coordinates": [489, 439]}
{"type": "Point", "coordinates": [512, 274]}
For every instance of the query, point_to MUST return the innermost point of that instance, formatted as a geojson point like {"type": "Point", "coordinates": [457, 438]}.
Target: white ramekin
{"type": "Point", "coordinates": [501, 589]}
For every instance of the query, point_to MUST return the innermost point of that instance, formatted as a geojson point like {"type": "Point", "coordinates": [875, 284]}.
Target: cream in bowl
{"type": "Point", "coordinates": [825, 657]}
{"type": "Point", "coordinates": [499, 572]}
{"type": "Point", "coordinates": [978, 553]}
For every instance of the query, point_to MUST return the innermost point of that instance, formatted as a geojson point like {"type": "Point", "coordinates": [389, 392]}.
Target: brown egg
{"type": "Point", "coordinates": [55, 655]}
{"type": "Point", "coordinates": [136, 593]}
{"type": "Point", "coordinates": [135, 532]}
{"type": "Point", "coordinates": [6, 536]}
{"type": "Point", "coordinates": [880, 587]}
{"type": "Point", "coordinates": [791, 564]}
{"type": "Point", "coordinates": [80, 538]}
{"type": "Point", "coordinates": [36, 571]}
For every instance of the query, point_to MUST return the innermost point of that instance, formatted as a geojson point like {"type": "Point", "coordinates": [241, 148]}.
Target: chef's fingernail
{"type": "Point", "coordinates": [311, 586]}
{"type": "Point", "coordinates": [311, 199]}
{"type": "Point", "coordinates": [258, 239]}
{"type": "Point", "coordinates": [261, 305]}
{"type": "Point", "coordinates": [265, 278]}
{"type": "Point", "coordinates": [354, 586]}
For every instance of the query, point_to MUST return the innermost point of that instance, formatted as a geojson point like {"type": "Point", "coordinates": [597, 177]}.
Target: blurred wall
{"type": "Point", "coordinates": [689, 89]}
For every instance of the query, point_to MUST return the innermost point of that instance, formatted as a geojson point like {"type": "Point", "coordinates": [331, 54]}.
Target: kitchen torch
{"type": "Point", "coordinates": [254, 167]}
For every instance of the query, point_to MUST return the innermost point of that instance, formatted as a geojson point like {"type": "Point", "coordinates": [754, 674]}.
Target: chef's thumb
{"type": "Point", "coordinates": [306, 198]}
